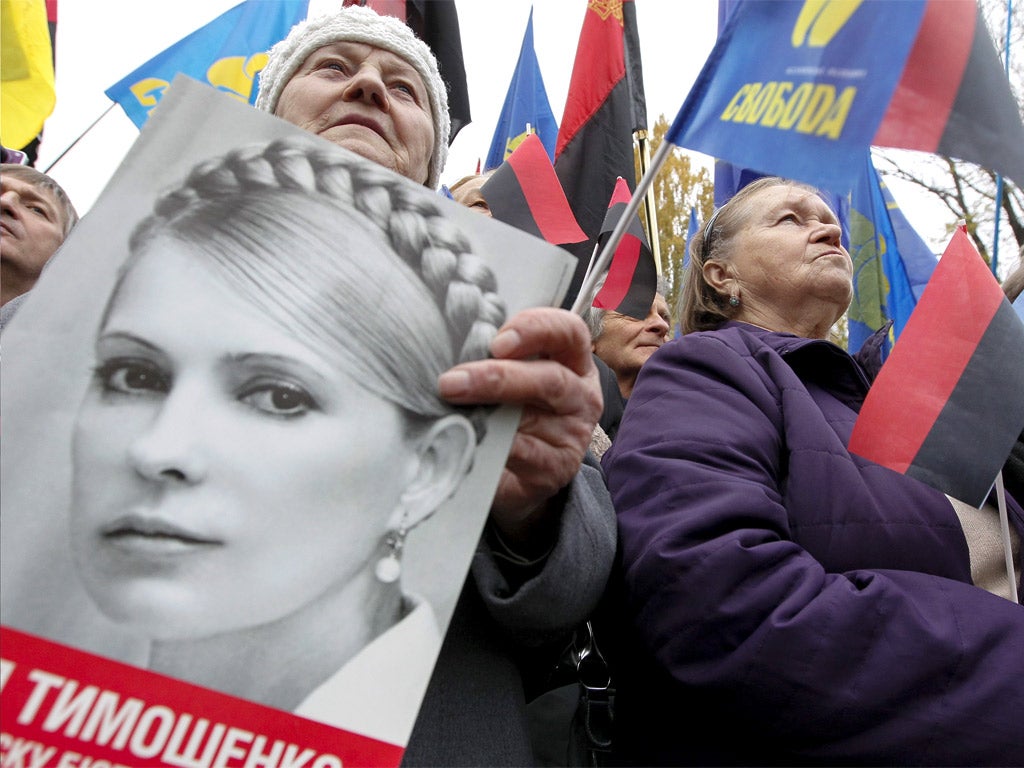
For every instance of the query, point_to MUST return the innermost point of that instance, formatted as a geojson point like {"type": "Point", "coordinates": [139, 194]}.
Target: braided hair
{"type": "Point", "coordinates": [344, 255]}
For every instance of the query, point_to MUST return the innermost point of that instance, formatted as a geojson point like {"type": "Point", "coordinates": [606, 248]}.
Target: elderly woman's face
{"type": "Point", "coordinates": [626, 343]}
{"type": "Point", "coordinates": [367, 100]}
{"type": "Point", "coordinates": [469, 194]}
{"type": "Point", "coordinates": [225, 474]}
{"type": "Point", "coordinates": [789, 259]}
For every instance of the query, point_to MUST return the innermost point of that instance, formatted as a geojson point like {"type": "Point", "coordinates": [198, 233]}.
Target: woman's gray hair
{"type": "Point", "coordinates": [703, 308]}
{"type": "Point", "coordinates": [278, 222]}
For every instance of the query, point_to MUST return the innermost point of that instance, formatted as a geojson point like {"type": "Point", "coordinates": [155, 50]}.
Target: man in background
{"type": "Point", "coordinates": [35, 217]}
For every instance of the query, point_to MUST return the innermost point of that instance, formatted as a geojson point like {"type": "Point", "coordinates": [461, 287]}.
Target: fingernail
{"type": "Point", "coordinates": [453, 383]}
{"type": "Point", "coordinates": [505, 343]}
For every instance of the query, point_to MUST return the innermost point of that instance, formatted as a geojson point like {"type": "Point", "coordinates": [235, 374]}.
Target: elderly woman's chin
{"type": "Point", "coordinates": [369, 145]}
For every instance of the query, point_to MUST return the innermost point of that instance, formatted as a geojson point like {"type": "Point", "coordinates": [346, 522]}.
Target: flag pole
{"type": "Point", "coordinates": [80, 137]}
{"type": "Point", "coordinates": [650, 211]}
{"type": "Point", "coordinates": [999, 176]}
{"type": "Point", "coordinates": [1004, 525]}
{"type": "Point", "coordinates": [604, 259]}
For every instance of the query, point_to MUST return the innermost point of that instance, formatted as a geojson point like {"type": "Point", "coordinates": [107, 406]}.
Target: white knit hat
{"type": "Point", "coordinates": [358, 24]}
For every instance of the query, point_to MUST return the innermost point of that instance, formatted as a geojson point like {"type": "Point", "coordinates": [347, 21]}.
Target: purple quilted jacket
{"type": "Point", "coordinates": [786, 602]}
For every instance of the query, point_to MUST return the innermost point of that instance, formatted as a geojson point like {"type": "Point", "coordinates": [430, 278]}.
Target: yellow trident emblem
{"type": "Point", "coordinates": [820, 20]}
{"type": "Point", "coordinates": [606, 8]}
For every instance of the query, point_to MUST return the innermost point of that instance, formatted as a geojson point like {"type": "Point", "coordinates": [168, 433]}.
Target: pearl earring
{"type": "Point", "coordinates": [389, 567]}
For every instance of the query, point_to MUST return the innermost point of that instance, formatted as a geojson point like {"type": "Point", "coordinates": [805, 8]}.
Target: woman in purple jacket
{"type": "Point", "coordinates": [787, 602]}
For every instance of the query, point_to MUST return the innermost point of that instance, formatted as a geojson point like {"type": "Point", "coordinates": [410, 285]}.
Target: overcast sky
{"type": "Point", "coordinates": [101, 41]}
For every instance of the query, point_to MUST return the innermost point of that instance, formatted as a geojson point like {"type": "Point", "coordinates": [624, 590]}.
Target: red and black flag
{"type": "Point", "coordinates": [953, 97]}
{"type": "Point", "coordinates": [603, 106]}
{"type": "Point", "coordinates": [435, 22]}
{"type": "Point", "coordinates": [948, 404]}
{"type": "Point", "coordinates": [632, 276]}
{"type": "Point", "coordinates": [524, 192]}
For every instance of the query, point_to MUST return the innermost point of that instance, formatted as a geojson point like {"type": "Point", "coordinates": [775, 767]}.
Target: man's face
{"type": "Point", "coordinates": [31, 230]}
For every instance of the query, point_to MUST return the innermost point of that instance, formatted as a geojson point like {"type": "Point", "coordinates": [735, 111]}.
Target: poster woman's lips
{"type": "Point", "coordinates": [152, 533]}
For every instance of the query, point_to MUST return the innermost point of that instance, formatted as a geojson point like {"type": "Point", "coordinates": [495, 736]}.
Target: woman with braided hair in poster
{"type": "Point", "coordinates": [365, 83]}
{"type": "Point", "coordinates": [262, 432]}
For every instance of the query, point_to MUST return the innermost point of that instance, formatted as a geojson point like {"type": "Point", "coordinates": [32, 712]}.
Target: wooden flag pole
{"type": "Point", "coordinates": [650, 211]}
{"type": "Point", "coordinates": [605, 258]}
{"type": "Point", "coordinates": [1004, 524]}
{"type": "Point", "coordinates": [999, 176]}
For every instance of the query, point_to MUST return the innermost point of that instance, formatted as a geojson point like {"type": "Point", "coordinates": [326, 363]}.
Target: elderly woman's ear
{"type": "Point", "coordinates": [444, 453]}
{"type": "Point", "coordinates": [719, 275]}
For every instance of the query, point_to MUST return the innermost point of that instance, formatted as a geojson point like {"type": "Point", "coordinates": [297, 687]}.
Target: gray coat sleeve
{"type": "Point", "coordinates": [572, 578]}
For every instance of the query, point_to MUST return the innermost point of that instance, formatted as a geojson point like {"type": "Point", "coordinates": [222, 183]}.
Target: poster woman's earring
{"type": "Point", "coordinates": [389, 567]}
{"type": "Point", "coordinates": [734, 300]}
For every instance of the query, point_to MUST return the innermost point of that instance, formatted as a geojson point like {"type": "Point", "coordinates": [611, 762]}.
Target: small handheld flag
{"type": "Point", "coordinates": [227, 53]}
{"type": "Point", "coordinates": [632, 277]}
{"type": "Point", "coordinates": [525, 193]}
{"type": "Point", "coordinates": [948, 404]}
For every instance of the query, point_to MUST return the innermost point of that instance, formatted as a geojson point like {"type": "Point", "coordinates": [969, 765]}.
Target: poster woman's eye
{"type": "Point", "coordinates": [278, 398]}
{"type": "Point", "coordinates": [132, 376]}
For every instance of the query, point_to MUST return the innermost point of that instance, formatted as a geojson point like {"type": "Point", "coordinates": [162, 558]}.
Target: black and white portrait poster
{"type": "Point", "coordinates": [236, 514]}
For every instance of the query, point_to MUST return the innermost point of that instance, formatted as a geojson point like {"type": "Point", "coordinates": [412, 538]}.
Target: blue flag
{"type": "Point", "coordinates": [891, 264]}
{"type": "Point", "coordinates": [526, 104]}
{"type": "Point", "coordinates": [691, 230]}
{"type": "Point", "coordinates": [799, 89]}
{"type": "Point", "coordinates": [1018, 306]}
{"type": "Point", "coordinates": [227, 53]}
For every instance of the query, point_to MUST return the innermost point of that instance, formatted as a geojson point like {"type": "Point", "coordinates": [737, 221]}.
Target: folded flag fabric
{"type": "Point", "coordinates": [27, 95]}
{"type": "Point", "coordinates": [227, 53]}
{"type": "Point", "coordinates": [525, 193]}
{"type": "Point", "coordinates": [691, 232]}
{"type": "Point", "coordinates": [595, 136]}
{"type": "Point", "coordinates": [632, 276]}
{"type": "Point", "coordinates": [948, 404]}
{"type": "Point", "coordinates": [801, 89]}
{"type": "Point", "coordinates": [954, 98]}
{"type": "Point", "coordinates": [526, 107]}
{"type": "Point", "coordinates": [891, 263]}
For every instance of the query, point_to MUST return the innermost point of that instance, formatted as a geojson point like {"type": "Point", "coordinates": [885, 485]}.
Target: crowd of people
{"type": "Point", "coordinates": [766, 596]}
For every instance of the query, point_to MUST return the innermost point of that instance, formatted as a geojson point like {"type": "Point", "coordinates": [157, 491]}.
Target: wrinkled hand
{"type": "Point", "coordinates": [542, 361]}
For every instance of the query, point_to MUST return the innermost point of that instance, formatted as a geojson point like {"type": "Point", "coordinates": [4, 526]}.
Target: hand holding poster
{"type": "Point", "coordinates": [241, 502]}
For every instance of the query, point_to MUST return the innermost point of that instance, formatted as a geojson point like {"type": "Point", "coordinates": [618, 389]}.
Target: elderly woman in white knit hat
{"type": "Point", "coordinates": [366, 83]}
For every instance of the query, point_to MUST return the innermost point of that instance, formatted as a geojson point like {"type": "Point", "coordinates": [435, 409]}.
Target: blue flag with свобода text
{"type": "Point", "coordinates": [798, 89]}
{"type": "Point", "coordinates": [227, 53]}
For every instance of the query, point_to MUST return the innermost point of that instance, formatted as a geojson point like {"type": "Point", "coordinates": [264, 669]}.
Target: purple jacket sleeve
{"type": "Point", "coordinates": [816, 657]}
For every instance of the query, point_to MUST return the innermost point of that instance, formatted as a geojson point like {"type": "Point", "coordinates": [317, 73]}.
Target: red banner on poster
{"type": "Point", "coordinates": [62, 707]}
